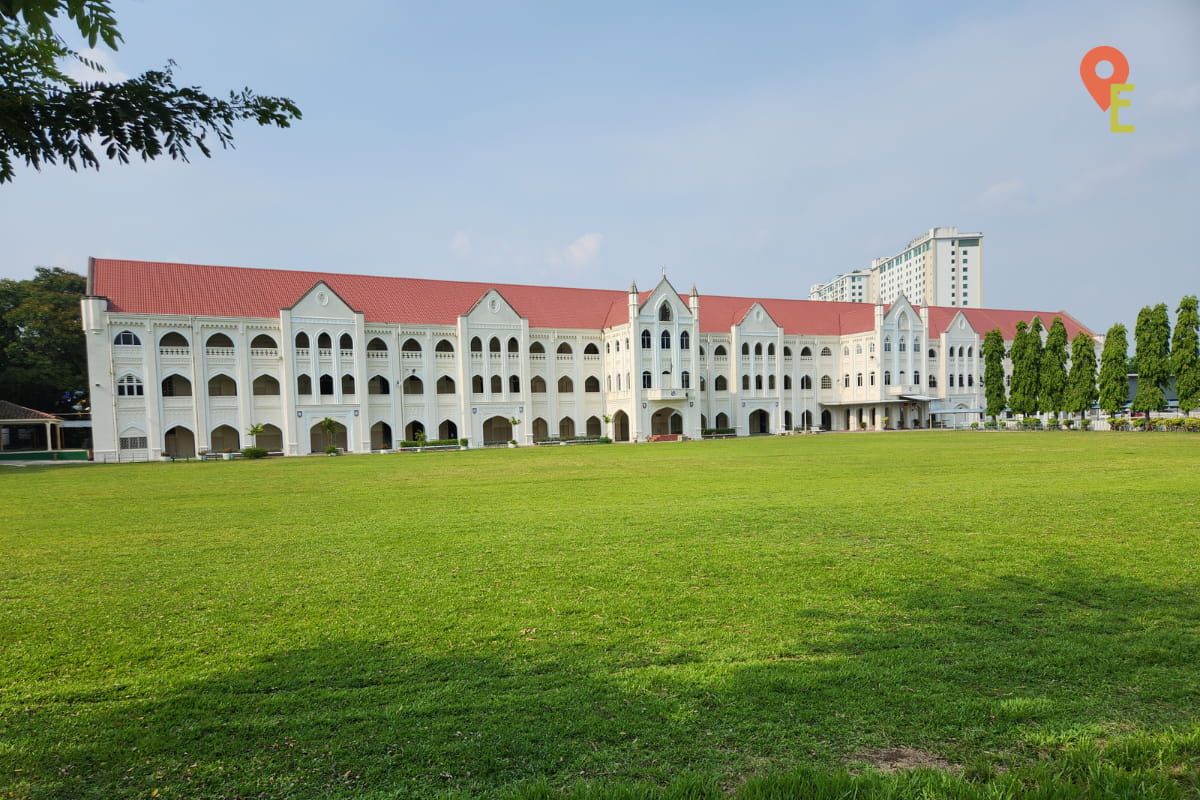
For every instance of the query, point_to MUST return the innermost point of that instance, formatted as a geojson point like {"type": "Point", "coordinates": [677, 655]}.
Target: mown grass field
{"type": "Point", "coordinates": [757, 617]}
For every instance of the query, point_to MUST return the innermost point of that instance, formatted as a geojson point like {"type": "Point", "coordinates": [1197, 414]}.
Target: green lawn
{"type": "Point", "coordinates": [757, 617]}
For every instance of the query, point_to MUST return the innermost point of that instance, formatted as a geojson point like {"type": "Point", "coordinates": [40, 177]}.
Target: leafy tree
{"type": "Point", "coordinates": [48, 117]}
{"type": "Point", "coordinates": [1185, 355]}
{"type": "Point", "coordinates": [1052, 371]}
{"type": "Point", "coordinates": [254, 431]}
{"type": "Point", "coordinates": [1081, 381]}
{"type": "Point", "coordinates": [1114, 380]}
{"type": "Point", "coordinates": [1151, 337]}
{"type": "Point", "coordinates": [993, 372]}
{"type": "Point", "coordinates": [1022, 397]}
{"type": "Point", "coordinates": [43, 356]}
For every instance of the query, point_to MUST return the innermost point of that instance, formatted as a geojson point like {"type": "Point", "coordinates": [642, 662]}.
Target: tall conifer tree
{"type": "Point", "coordinates": [1052, 371]}
{"type": "Point", "coordinates": [1185, 355]}
{"type": "Point", "coordinates": [1022, 398]}
{"type": "Point", "coordinates": [1081, 380]}
{"type": "Point", "coordinates": [1114, 381]}
{"type": "Point", "coordinates": [993, 372]}
{"type": "Point", "coordinates": [1152, 353]}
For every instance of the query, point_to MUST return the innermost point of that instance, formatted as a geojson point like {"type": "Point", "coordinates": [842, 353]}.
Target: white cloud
{"type": "Point", "coordinates": [460, 245]}
{"type": "Point", "coordinates": [581, 252]}
{"type": "Point", "coordinates": [1001, 193]}
{"type": "Point", "coordinates": [85, 74]}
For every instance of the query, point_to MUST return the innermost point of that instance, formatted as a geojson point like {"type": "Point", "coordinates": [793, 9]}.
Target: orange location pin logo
{"type": "Point", "coordinates": [1100, 88]}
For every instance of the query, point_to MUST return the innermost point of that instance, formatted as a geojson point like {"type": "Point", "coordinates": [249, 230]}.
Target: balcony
{"type": "Point", "coordinates": [175, 352]}
{"type": "Point", "coordinates": [665, 394]}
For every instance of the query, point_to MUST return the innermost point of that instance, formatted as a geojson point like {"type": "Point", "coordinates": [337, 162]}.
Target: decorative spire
{"type": "Point", "coordinates": [633, 288]}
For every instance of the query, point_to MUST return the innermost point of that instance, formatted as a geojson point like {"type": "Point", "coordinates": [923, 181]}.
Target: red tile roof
{"type": "Point", "coordinates": [150, 287]}
{"type": "Point", "coordinates": [985, 319]}
{"type": "Point", "coordinates": [12, 411]}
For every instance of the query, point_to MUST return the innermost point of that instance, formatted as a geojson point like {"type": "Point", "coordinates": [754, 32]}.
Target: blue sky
{"type": "Point", "coordinates": [753, 148]}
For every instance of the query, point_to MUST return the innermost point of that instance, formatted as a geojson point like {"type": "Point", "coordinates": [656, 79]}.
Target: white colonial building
{"type": "Point", "coordinates": [183, 357]}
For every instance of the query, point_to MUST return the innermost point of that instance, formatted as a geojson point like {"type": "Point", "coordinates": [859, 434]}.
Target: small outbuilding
{"type": "Point", "coordinates": [23, 430]}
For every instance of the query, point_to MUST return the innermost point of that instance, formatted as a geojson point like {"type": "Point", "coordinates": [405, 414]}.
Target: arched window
{"type": "Point", "coordinates": [758, 349]}
{"type": "Point", "coordinates": [301, 341]}
{"type": "Point", "coordinates": [858, 349]}
{"type": "Point", "coordinates": [493, 345]}
{"type": "Point", "coordinates": [564, 349]}
{"type": "Point", "coordinates": [219, 340]}
{"type": "Point", "coordinates": [591, 349]}
{"type": "Point", "coordinates": [806, 352]}
{"type": "Point", "coordinates": [664, 312]}
{"type": "Point", "coordinates": [445, 385]}
{"type": "Point", "coordinates": [720, 384]}
{"type": "Point", "coordinates": [903, 345]}
{"type": "Point", "coordinates": [537, 385]}
{"type": "Point", "coordinates": [326, 384]}
{"type": "Point", "coordinates": [347, 384]}
{"type": "Point", "coordinates": [771, 382]}
{"type": "Point", "coordinates": [685, 380]}
{"type": "Point", "coordinates": [378, 384]}
{"type": "Point", "coordinates": [846, 381]}
{"type": "Point", "coordinates": [592, 384]}
{"type": "Point", "coordinates": [787, 382]}
{"type": "Point", "coordinates": [771, 349]}
{"type": "Point", "coordinates": [303, 384]}
{"type": "Point", "coordinates": [932, 353]}
{"type": "Point", "coordinates": [324, 342]}
{"type": "Point", "coordinates": [932, 382]}
{"type": "Point", "coordinates": [702, 385]}
{"type": "Point", "coordinates": [608, 382]}
{"type": "Point", "coordinates": [476, 345]}
{"type": "Point", "coordinates": [646, 341]}
{"type": "Point", "coordinates": [960, 354]}
{"type": "Point", "coordinates": [537, 347]}
{"type": "Point", "coordinates": [177, 339]}
{"type": "Point", "coordinates": [664, 340]}
{"type": "Point", "coordinates": [443, 346]}
{"type": "Point", "coordinates": [871, 378]}
{"type": "Point", "coordinates": [685, 341]}
{"type": "Point", "coordinates": [970, 350]}
{"type": "Point", "coordinates": [617, 345]}
{"type": "Point", "coordinates": [263, 386]}
{"type": "Point", "coordinates": [377, 348]}
{"type": "Point", "coordinates": [871, 347]}
{"type": "Point", "coordinates": [787, 352]}
{"type": "Point", "coordinates": [477, 384]}
{"type": "Point", "coordinates": [887, 377]}
{"type": "Point", "coordinates": [608, 348]}
{"type": "Point", "coordinates": [805, 382]}
{"type": "Point", "coordinates": [950, 380]}
{"type": "Point", "coordinates": [826, 382]}
{"type": "Point", "coordinates": [514, 384]}
{"type": "Point", "coordinates": [565, 385]}
{"type": "Point", "coordinates": [221, 385]}
{"type": "Point", "coordinates": [917, 377]}
{"type": "Point", "coordinates": [346, 342]}
{"type": "Point", "coordinates": [127, 338]}
{"type": "Point", "coordinates": [960, 381]}
{"type": "Point", "coordinates": [413, 385]}
{"type": "Point", "coordinates": [887, 344]}
{"type": "Point", "coordinates": [745, 383]}
{"type": "Point", "coordinates": [720, 351]}
{"type": "Point", "coordinates": [846, 350]}
{"type": "Point", "coordinates": [593, 426]}
{"type": "Point", "coordinates": [513, 345]}
{"type": "Point", "coordinates": [970, 380]}
{"type": "Point", "coordinates": [263, 342]}
{"type": "Point", "coordinates": [130, 386]}
{"type": "Point", "coordinates": [410, 346]}
{"type": "Point", "coordinates": [179, 386]}
{"type": "Point", "coordinates": [646, 379]}
{"type": "Point", "coordinates": [758, 382]}
{"type": "Point", "coordinates": [858, 379]}
{"type": "Point", "coordinates": [618, 381]}
{"type": "Point", "coordinates": [497, 384]}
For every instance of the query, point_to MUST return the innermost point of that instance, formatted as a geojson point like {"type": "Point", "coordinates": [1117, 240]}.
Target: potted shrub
{"type": "Point", "coordinates": [1068, 423]}
{"type": "Point", "coordinates": [1084, 424]}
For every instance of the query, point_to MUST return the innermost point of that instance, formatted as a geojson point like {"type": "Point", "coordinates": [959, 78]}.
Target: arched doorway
{"type": "Point", "coordinates": [412, 429]}
{"type": "Point", "coordinates": [541, 431]}
{"type": "Point", "coordinates": [319, 439]}
{"type": "Point", "coordinates": [722, 422]}
{"type": "Point", "coordinates": [787, 420]}
{"type": "Point", "coordinates": [497, 430]}
{"type": "Point", "coordinates": [620, 422]}
{"type": "Point", "coordinates": [826, 420]}
{"type": "Point", "coordinates": [179, 442]}
{"type": "Point", "coordinates": [665, 420]}
{"type": "Point", "coordinates": [271, 439]}
{"type": "Point", "coordinates": [224, 438]}
{"type": "Point", "coordinates": [760, 422]}
{"type": "Point", "coordinates": [448, 430]}
{"type": "Point", "coordinates": [806, 420]}
{"type": "Point", "coordinates": [381, 436]}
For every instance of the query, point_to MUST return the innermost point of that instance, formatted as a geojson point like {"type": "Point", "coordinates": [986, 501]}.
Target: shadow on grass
{"type": "Point", "coordinates": [987, 673]}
